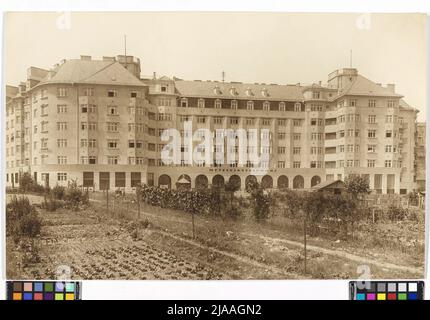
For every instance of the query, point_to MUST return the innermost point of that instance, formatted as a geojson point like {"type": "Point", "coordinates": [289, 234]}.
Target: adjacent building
{"type": "Point", "coordinates": [99, 123]}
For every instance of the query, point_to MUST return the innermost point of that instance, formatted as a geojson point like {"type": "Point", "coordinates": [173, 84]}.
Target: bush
{"type": "Point", "coordinates": [27, 184]}
{"type": "Point", "coordinates": [261, 200]}
{"type": "Point", "coordinates": [74, 196]}
{"type": "Point", "coordinates": [58, 192]}
{"type": "Point", "coordinates": [22, 219]}
{"type": "Point", "coordinates": [395, 213]}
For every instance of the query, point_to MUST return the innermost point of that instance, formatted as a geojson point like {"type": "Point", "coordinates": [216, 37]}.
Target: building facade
{"type": "Point", "coordinates": [99, 123]}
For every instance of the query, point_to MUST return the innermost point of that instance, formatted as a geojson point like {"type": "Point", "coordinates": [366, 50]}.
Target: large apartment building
{"type": "Point", "coordinates": [99, 123]}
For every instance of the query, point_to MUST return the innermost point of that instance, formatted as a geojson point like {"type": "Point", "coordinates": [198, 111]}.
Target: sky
{"type": "Point", "coordinates": [281, 48]}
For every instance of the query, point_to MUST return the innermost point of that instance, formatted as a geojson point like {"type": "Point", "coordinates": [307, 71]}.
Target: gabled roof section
{"type": "Point", "coordinates": [329, 184]}
{"type": "Point", "coordinates": [362, 86]}
{"type": "Point", "coordinates": [405, 106]}
{"type": "Point", "coordinates": [92, 71]}
{"type": "Point", "coordinates": [238, 90]}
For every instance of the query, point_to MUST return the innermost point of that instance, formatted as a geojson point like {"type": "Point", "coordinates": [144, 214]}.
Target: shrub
{"type": "Point", "coordinates": [261, 200]}
{"type": "Point", "coordinates": [74, 196]}
{"type": "Point", "coordinates": [395, 213]}
{"type": "Point", "coordinates": [22, 218]}
{"type": "Point", "coordinates": [27, 184]}
{"type": "Point", "coordinates": [58, 192]}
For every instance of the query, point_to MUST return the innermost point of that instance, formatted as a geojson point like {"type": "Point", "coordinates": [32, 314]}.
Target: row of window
{"type": "Point", "coordinates": [371, 103]}
{"type": "Point", "coordinates": [62, 92]}
{"type": "Point", "coordinates": [370, 163]}
{"type": "Point", "coordinates": [234, 104]}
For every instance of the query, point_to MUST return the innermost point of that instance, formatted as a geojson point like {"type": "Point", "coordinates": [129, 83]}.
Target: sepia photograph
{"type": "Point", "coordinates": [214, 145]}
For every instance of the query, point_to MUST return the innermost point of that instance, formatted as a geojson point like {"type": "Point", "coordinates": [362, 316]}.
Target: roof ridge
{"type": "Point", "coordinates": [100, 70]}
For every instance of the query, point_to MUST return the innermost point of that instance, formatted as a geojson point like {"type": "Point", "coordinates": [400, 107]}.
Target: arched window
{"type": "Point", "coordinates": [201, 103]}
{"type": "Point", "coordinates": [218, 104]}
{"type": "Point", "coordinates": [297, 107]}
{"type": "Point", "coordinates": [233, 91]}
{"type": "Point", "coordinates": [250, 105]}
{"type": "Point", "coordinates": [184, 102]}
{"type": "Point", "coordinates": [266, 105]}
{"type": "Point", "coordinates": [282, 106]}
{"type": "Point", "coordinates": [249, 92]}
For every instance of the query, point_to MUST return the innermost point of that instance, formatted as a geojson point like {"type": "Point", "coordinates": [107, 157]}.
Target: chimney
{"type": "Point", "coordinates": [391, 87]}
{"type": "Point", "coordinates": [320, 82]}
{"type": "Point", "coordinates": [112, 59]}
{"type": "Point", "coordinates": [154, 76]}
{"type": "Point", "coordinates": [85, 57]}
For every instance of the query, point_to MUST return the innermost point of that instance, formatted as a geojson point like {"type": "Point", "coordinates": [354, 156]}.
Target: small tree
{"type": "Point", "coordinates": [261, 200]}
{"type": "Point", "coordinates": [25, 182]}
{"type": "Point", "coordinates": [357, 185]}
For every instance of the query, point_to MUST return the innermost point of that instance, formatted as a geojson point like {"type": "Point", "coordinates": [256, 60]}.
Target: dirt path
{"type": "Point", "coordinates": [338, 253]}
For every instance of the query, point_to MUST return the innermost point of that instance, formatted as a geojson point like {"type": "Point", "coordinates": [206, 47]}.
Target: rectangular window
{"type": "Point", "coordinates": [201, 119]}
{"type": "Point", "coordinates": [113, 144]}
{"type": "Point", "coordinates": [296, 136]}
{"type": "Point", "coordinates": [119, 179]}
{"type": "Point", "coordinates": [89, 92]}
{"type": "Point", "coordinates": [112, 110]}
{"type": "Point", "coordinates": [282, 122]}
{"type": "Point", "coordinates": [371, 133]}
{"type": "Point", "coordinates": [62, 176]}
{"type": "Point", "coordinates": [61, 160]}
{"type": "Point", "coordinates": [296, 164]}
{"type": "Point", "coordinates": [266, 122]}
{"type": "Point", "coordinates": [62, 143]}
{"type": "Point", "coordinates": [372, 103]}
{"type": "Point", "coordinates": [371, 148]}
{"type": "Point", "coordinates": [112, 93]}
{"type": "Point", "coordinates": [371, 163]}
{"type": "Point", "coordinates": [234, 120]}
{"type": "Point", "coordinates": [112, 159]}
{"type": "Point", "coordinates": [296, 150]}
{"type": "Point", "coordinates": [136, 178]}
{"type": "Point", "coordinates": [61, 92]}
{"type": "Point", "coordinates": [297, 122]}
{"type": "Point", "coordinates": [217, 120]}
{"type": "Point", "coordinates": [61, 126]}
{"type": "Point", "coordinates": [61, 108]}
{"type": "Point", "coordinates": [112, 126]}
{"type": "Point", "coordinates": [371, 119]}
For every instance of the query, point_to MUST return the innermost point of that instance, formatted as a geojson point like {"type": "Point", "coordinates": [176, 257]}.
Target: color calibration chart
{"type": "Point", "coordinates": [386, 290]}
{"type": "Point", "coordinates": [43, 290]}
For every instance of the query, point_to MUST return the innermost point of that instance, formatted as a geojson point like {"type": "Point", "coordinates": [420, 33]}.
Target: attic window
{"type": "Point", "coordinates": [233, 91]}
{"type": "Point", "coordinates": [249, 92]}
{"type": "Point", "coordinates": [264, 92]}
{"type": "Point", "coordinates": [184, 103]}
{"type": "Point", "coordinates": [217, 90]}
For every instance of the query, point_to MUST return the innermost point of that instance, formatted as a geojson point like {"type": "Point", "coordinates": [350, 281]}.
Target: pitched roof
{"type": "Point", "coordinates": [361, 86]}
{"type": "Point", "coordinates": [92, 71]}
{"type": "Point", "coordinates": [242, 90]}
{"type": "Point", "coordinates": [405, 106]}
{"type": "Point", "coordinates": [328, 183]}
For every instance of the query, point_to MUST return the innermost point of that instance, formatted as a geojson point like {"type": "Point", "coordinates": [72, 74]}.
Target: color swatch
{"type": "Point", "coordinates": [386, 290]}
{"type": "Point", "coordinates": [43, 290]}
